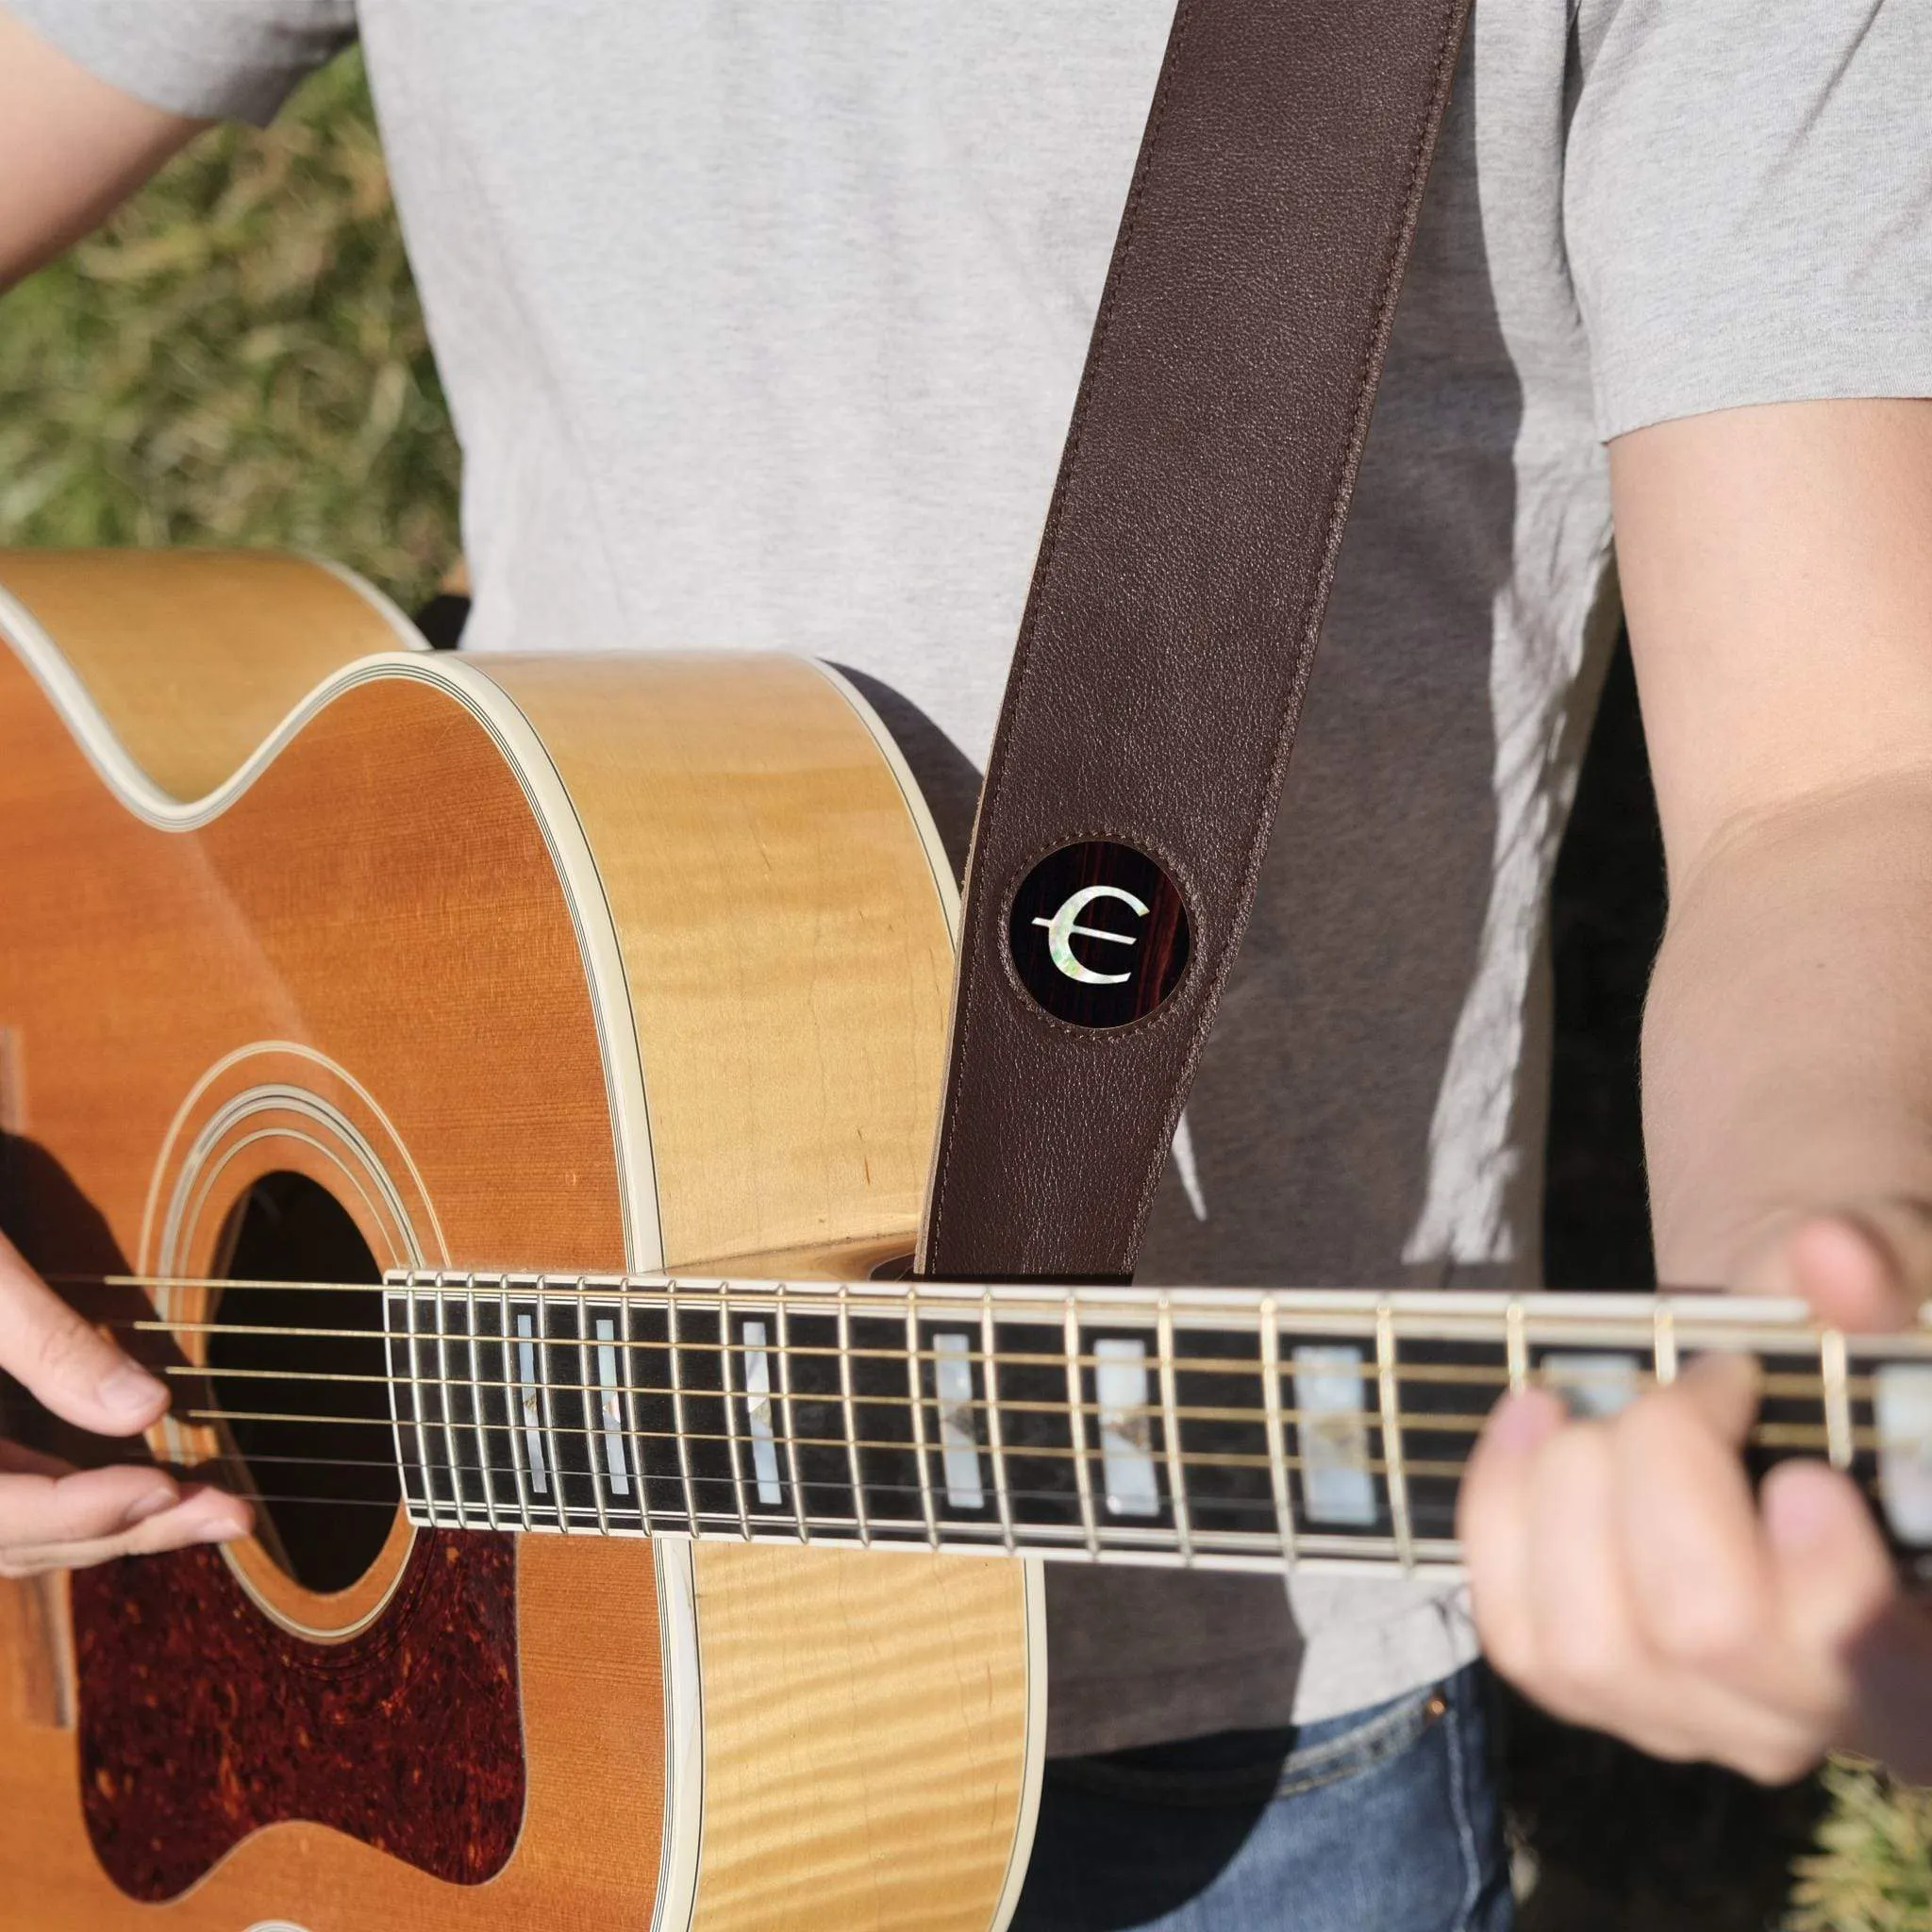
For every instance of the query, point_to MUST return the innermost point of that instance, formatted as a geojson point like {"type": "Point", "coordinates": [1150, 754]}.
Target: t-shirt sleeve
{"type": "Point", "coordinates": [1748, 202]}
{"type": "Point", "coordinates": [215, 59]}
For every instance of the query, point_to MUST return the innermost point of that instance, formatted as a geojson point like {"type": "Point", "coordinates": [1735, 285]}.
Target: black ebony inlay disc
{"type": "Point", "coordinates": [1099, 934]}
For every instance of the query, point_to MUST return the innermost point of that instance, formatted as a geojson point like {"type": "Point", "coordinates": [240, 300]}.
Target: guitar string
{"type": "Point", "coordinates": [1061, 1499]}
{"type": "Point", "coordinates": [1776, 1435]}
{"type": "Point", "coordinates": [1412, 1369]}
{"type": "Point", "coordinates": [1424, 1509]}
{"type": "Point", "coordinates": [964, 1301]}
{"type": "Point", "coordinates": [1776, 1383]}
{"type": "Point", "coordinates": [718, 1302]}
{"type": "Point", "coordinates": [1422, 1419]}
{"type": "Point", "coordinates": [1418, 1420]}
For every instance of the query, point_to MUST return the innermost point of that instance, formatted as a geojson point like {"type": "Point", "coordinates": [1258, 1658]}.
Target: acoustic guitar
{"type": "Point", "coordinates": [498, 1092]}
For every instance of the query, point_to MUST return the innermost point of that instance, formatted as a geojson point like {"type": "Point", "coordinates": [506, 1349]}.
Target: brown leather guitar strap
{"type": "Point", "coordinates": [1182, 576]}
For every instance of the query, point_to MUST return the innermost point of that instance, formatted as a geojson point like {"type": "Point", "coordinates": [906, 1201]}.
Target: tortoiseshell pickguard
{"type": "Point", "coordinates": [201, 1721]}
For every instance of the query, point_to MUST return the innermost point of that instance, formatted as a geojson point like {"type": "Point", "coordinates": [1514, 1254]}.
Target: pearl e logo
{"type": "Point", "coordinates": [1060, 930]}
{"type": "Point", "coordinates": [1098, 934]}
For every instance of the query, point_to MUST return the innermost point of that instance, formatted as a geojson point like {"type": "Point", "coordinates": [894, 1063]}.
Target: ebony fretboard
{"type": "Point", "coordinates": [1226, 1429]}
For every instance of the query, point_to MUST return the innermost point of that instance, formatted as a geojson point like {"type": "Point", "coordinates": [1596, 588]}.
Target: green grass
{"type": "Point", "coordinates": [1872, 1871]}
{"type": "Point", "coordinates": [237, 359]}
{"type": "Point", "coordinates": [240, 359]}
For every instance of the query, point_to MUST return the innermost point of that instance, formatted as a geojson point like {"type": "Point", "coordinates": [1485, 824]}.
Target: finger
{"type": "Point", "coordinates": [1585, 1657]}
{"type": "Point", "coordinates": [1591, 1662]}
{"type": "Point", "coordinates": [1699, 1582]}
{"type": "Point", "coordinates": [1833, 1578]}
{"type": "Point", "coordinates": [89, 1504]}
{"type": "Point", "coordinates": [202, 1516]}
{"type": "Point", "coordinates": [1491, 1520]}
{"type": "Point", "coordinates": [66, 1365]}
{"type": "Point", "coordinates": [1865, 1272]}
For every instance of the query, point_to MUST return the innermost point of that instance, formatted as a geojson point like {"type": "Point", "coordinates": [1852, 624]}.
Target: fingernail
{"type": "Point", "coordinates": [224, 1532]}
{"type": "Point", "coordinates": [149, 1503]}
{"type": "Point", "coordinates": [129, 1389]}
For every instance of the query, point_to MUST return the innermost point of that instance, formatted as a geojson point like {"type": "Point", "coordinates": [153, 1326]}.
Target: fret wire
{"type": "Point", "coordinates": [634, 1433]}
{"type": "Point", "coordinates": [1278, 1441]}
{"type": "Point", "coordinates": [995, 1441]}
{"type": "Point", "coordinates": [1664, 1344]}
{"type": "Point", "coordinates": [792, 1444]}
{"type": "Point", "coordinates": [1517, 1344]}
{"type": "Point", "coordinates": [671, 1339]}
{"type": "Point", "coordinates": [851, 1417]}
{"type": "Point", "coordinates": [449, 1434]}
{"type": "Point", "coordinates": [1395, 1479]}
{"type": "Point", "coordinates": [1837, 1408]}
{"type": "Point", "coordinates": [1170, 1432]}
{"type": "Point", "coordinates": [731, 1420]}
{"type": "Point", "coordinates": [913, 1361]}
{"type": "Point", "coordinates": [1077, 1425]}
{"type": "Point", "coordinates": [416, 1406]}
{"type": "Point", "coordinates": [476, 1400]}
{"type": "Point", "coordinates": [389, 1339]}
{"type": "Point", "coordinates": [540, 1356]}
{"type": "Point", "coordinates": [593, 1416]}
{"type": "Point", "coordinates": [512, 1409]}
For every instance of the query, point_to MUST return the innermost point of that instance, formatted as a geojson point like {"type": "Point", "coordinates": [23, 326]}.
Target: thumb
{"type": "Point", "coordinates": [66, 1365]}
{"type": "Point", "coordinates": [1864, 1269]}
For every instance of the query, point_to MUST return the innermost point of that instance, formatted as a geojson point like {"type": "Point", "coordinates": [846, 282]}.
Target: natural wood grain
{"type": "Point", "coordinates": [784, 939]}
{"type": "Point", "coordinates": [382, 900]}
{"type": "Point", "coordinates": [381, 896]}
{"type": "Point", "coordinates": [194, 657]}
{"type": "Point", "coordinates": [33, 1640]}
{"type": "Point", "coordinates": [865, 1724]}
{"type": "Point", "coordinates": [786, 945]}
{"type": "Point", "coordinates": [588, 1852]}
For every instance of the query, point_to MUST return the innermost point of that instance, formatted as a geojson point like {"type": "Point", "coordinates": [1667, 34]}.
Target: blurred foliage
{"type": "Point", "coordinates": [237, 359]}
{"type": "Point", "coordinates": [1872, 1871]}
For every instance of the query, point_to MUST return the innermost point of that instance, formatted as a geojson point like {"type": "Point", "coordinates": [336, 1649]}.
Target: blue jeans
{"type": "Point", "coordinates": [1385, 1819]}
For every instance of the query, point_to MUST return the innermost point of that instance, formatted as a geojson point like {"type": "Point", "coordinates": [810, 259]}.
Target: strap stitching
{"type": "Point", "coordinates": [1340, 492]}
{"type": "Point", "coordinates": [1096, 366]}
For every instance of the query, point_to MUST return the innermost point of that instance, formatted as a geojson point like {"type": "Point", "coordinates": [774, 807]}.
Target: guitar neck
{"type": "Point", "coordinates": [1218, 1429]}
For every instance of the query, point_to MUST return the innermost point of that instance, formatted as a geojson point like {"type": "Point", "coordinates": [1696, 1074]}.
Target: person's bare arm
{"type": "Point", "coordinates": [1777, 572]}
{"type": "Point", "coordinates": [72, 149]}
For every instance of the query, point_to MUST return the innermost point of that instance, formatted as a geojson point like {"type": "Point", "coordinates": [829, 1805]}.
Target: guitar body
{"type": "Point", "coordinates": [630, 963]}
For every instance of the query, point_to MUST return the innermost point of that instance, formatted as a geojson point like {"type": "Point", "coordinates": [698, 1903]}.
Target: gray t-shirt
{"type": "Point", "coordinates": [761, 324]}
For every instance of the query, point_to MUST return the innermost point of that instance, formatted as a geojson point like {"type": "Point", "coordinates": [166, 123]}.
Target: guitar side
{"type": "Point", "coordinates": [631, 961]}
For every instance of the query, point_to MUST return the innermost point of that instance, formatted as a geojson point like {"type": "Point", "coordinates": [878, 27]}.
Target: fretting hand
{"type": "Point", "coordinates": [1625, 1577]}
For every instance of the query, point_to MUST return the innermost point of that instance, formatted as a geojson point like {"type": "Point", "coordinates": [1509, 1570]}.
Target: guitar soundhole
{"type": "Point", "coordinates": [308, 1421]}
